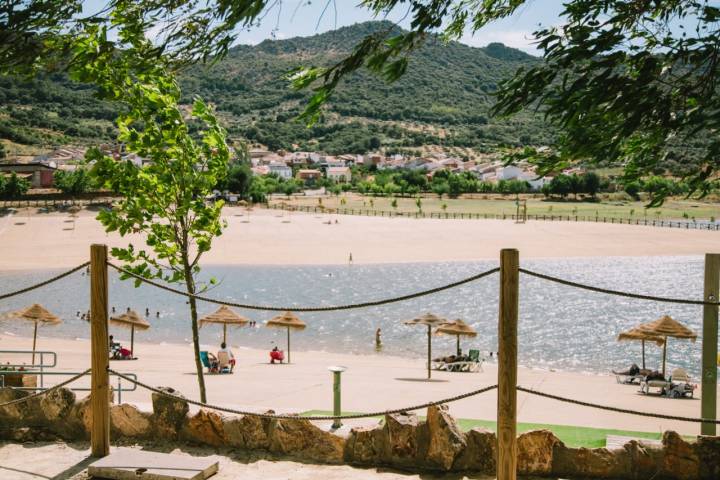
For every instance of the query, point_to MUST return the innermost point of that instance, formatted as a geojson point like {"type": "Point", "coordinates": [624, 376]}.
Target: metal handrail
{"type": "Point", "coordinates": [42, 365]}
{"type": "Point", "coordinates": [119, 388]}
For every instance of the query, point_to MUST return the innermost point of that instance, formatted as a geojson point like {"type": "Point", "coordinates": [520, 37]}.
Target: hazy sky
{"type": "Point", "coordinates": [291, 18]}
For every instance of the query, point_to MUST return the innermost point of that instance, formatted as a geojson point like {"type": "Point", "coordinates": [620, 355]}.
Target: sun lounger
{"type": "Point", "coordinates": [677, 386]}
{"type": "Point", "coordinates": [211, 365]}
{"type": "Point", "coordinates": [634, 375]}
{"type": "Point", "coordinates": [472, 363]}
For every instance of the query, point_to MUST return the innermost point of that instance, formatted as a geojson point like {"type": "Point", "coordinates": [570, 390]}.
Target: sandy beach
{"type": "Point", "coordinates": [43, 241]}
{"type": "Point", "coordinates": [371, 383]}
{"type": "Point", "coordinates": [59, 461]}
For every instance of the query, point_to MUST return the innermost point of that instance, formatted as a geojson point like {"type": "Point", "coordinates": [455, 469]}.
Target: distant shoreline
{"type": "Point", "coordinates": [55, 242]}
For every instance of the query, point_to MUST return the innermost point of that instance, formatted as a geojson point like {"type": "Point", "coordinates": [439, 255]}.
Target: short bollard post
{"type": "Point", "coordinates": [337, 371]}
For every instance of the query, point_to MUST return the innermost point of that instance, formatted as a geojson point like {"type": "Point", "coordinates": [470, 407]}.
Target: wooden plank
{"type": "Point", "coordinates": [134, 464]}
{"type": "Point", "coordinates": [708, 404]}
{"type": "Point", "coordinates": [507, 365]}
{"type": "Point", "coordinates": [99, 352]}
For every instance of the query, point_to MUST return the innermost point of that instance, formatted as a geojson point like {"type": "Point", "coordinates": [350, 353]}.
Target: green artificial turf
{"type": "Point", "coordinates": [572, 436]}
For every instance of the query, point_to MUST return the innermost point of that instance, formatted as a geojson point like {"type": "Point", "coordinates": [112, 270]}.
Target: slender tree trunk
{"type": "Point", "coordinates": [190, 283]}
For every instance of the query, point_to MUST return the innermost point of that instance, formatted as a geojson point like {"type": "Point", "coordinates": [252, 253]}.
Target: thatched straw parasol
{"type": "Point", "coordinates": [133, 320]}
{"type": "Point", "coordinates": [431, 321]}
{"type": "Point", "coordinates": [287, 320]}
{"type": "Point", "coordinates": [635, 334]}
{"type": "Point", "coordinates": [457, 328]}
{"type": "Point", "coordinates": [666, 327]}
{"type": "Point", "coordinates": [225, 316]}
{"type": "Point", "coordinates": [37, 314]}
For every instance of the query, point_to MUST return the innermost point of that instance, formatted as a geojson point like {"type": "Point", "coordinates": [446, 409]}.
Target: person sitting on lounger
{"type": "Point", "coordinates": [276, 354]}
{"type": "Point", "coordinates": [225, 357]}
{"type": "Point", "coordinates": [213, 361]}
{"type": "Point", "coordinates": [630, 372]}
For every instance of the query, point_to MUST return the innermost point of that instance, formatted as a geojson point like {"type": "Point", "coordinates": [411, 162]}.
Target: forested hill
{"type": "Point", "coordinates": [442, 101]}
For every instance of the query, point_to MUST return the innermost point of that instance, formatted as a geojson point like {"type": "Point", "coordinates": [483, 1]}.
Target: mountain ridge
{"type": "Point", "coordinates": [443, 100]}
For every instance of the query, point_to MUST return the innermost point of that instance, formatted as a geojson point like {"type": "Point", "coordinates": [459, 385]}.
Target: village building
{"type": "Point", "coordinates": [281, 170]}
{"type": "Point", "coordinates": [339, 174]}
{"type": "Point", "coordinates": [40, 175]}
{"type": "Point", "coordinates": [309, 176]}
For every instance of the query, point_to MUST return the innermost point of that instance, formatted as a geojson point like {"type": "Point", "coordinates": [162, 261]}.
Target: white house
{"type": "Point", "coordinates": [281, 170]}
{"type": "Point", "coordinates": [509, 172]}
{"type": "Point", "coordinates": [339, 174]}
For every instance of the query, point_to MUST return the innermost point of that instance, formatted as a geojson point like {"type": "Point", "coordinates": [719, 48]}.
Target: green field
{"type": "Point", "coordinates": [675, 209]}
{"type": "Point", "coordinates": [572, 436]}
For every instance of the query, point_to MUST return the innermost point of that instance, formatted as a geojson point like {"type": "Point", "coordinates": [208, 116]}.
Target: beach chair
{"type": "Point", "coordinates": [205, 359]}
{"type": "Point", "coordinates": [632, 376]}
{"type": "Point", "coordinates": [224, 363]}
{"type": "Point", "coordinates": [472, 364]}
{"type": "Point", "coordinates": [677, 386]}
{"type": "Point", "coordinates": [439, 365]}
{"type": "Point", "coordinates": [681, 384]}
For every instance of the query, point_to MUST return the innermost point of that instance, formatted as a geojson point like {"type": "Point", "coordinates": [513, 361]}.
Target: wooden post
{"type": "Point", "coordinates": [100, 387]}
{"type": "Point", "coordinates": [34, 343]}
{"type": "Point", "coordinates": [288, 334]}
{"type": "Point", "coordinates": [507, 366]}
{"type": "Point", "coordinates": [708, 406]}
{"type": "Point", "coordinates": [643, 354]}
{"type": "Point", "coordinates": [429, 335]}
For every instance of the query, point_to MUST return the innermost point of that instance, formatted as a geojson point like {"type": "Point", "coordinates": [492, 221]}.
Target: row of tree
{"type": "Point", "coordinates": [240, 180]}
{"type": "Point", "coordinates": [13, 186]}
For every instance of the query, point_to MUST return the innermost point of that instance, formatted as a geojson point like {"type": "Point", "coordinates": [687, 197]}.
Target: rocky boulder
{"type": "Point", "coordinates": [446, 441]}
{"type": "Point", "coordinates": [643, 459]}
{"type": "Point", "coordinates": [57, 404]}
{"type": "Point", "coordinates": [680, 459]}
{"type": "Point", "coordinates": [17, 413]}
{"type": "Point", "coordinates": [80, 418]}
{"type": "Point", "coordinates": [480, 454]}
{"type": "Point", "coordinates": [301, 438]}
{"type": "Point", "coordinates": [590, 462]}
{"type": "Point", "coordinates": [127, 421]}
{"type": "Point", "coordinates": [169, 414]}
{"type": "Point", "coordinates": [205, 428]}
{"type": "Point", "coordinates": [535, 452]}
{"type": "Point", "coordinates": [401, 442]}
{"type": "Point", "coordinates": [365, 446]}
{"type": "Point", "coordinates": [708, 452]}
{"type": "Point", "coordinates": [248, 432]}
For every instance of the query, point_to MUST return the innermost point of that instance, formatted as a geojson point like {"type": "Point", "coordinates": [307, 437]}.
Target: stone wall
{"type": "Point", "coordinates": [402, 441]}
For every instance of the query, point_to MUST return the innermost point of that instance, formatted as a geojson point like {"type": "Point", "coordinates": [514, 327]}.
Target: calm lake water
{"type": "Point", "coordinates": [560, 327]}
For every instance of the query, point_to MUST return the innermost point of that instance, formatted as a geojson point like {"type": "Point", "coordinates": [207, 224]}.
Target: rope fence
{"type": "Point", "coordinates": [276, 416]}
{"type": "Point", "coordinates": [42, 284]}
{"type": "Point", "coordinates": [619, 293]}
{"type": "Point", "coordinates": [329, 308]}
{"type": "Point", "coordinates": [616, 409]}
{"type": "Point", "coordinates": [45, 392]}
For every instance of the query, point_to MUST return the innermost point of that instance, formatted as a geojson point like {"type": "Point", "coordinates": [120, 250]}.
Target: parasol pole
{"type": "Point", "coordinates": [132, 341]}
{"type": "Point", "coordinates": [643, 353]}
{"type": "Point", "coordinates": [459, 352]}
{"type": "Point", "coordinates": [34, 342]}
{"type": "Point", "coordinates": [664, 355]}
{"type": "Point", "coordinates": [288, 333]}
{"type": "Point", "coordinates": [225, 333]}
{"type": "Point", "coordinates": [429, 349]}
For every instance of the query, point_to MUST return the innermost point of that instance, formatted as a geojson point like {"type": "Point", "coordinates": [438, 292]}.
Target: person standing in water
{"type": "Point", "coordinates": [378, 340]}
{"type": "Point", "coordinates": [350, 260]}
